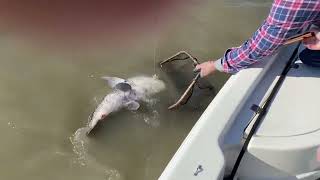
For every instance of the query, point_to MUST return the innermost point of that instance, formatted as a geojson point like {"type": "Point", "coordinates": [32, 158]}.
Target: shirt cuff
{"type": "Point", "coordinates": [222, 64]}
{"type": "Point", "coordinates": [218, 65]}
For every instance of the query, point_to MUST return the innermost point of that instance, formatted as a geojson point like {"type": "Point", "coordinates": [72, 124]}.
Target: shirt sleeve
{"type": "Point", "coordinates": [287, 18]}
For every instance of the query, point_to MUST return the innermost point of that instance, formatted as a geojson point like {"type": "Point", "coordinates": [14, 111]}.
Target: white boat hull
{"type": "Point", "coordinates": [284, 146]}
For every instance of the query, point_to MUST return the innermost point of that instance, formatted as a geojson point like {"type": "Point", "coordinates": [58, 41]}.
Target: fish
{"type": "Point", "coordinates": [126, 94]}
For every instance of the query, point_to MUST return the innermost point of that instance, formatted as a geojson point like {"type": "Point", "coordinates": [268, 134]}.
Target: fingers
{"type": "Point", "coordinates": [197, 68]}
{"type": "Point", "coordinates": [313, 46]}
{"type": "Point", "coordinates": [310, 40]}
{"type": "Point", "coordinates": [317, 34]}
{"type": "Point", "coordinates": [205, 68]}
{"type": "Point", "coordinates": [312, 43]}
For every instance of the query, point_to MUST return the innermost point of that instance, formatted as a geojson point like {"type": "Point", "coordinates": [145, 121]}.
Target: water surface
{"type": "Point", "coordinates": [46, 97]}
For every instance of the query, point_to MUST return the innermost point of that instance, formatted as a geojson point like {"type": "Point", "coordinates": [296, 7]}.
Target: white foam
{"type": "Point", "coordinates": [80, 143]}
{"type": "Point", "coordinates": [79, 140]}
{"type": "Point", "coordinates": [113, 174]}
{"type": "Point", "coordinates": [152, 120]}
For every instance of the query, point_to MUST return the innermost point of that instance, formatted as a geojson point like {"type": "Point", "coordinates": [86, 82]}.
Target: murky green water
{"type": "Point", "coordinates": [47, 96]}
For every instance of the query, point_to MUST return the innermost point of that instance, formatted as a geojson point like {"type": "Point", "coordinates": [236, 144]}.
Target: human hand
{"type": "Point", "coordinates": [313, 42]}
{"type": "Point", "coordinates": [206, 68]}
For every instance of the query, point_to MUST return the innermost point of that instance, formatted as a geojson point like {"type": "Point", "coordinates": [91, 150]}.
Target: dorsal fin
{"type": "Point", "coordinates": [123, 86]}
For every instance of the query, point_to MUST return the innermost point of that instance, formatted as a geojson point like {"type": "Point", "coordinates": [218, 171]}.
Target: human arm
{"type": "Point", "coordinates": [286, 19]}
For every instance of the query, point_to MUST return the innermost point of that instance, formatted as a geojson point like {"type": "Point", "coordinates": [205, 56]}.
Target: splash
{"type": "Point", "coordinates": [152, 120]}
{"type": "Point", "coordinates": [79, 140]}
{"type": "Point", "coordinates": [11, 125]}
{"type": "Point", "coordinates": [113, 174]}
{"type": "Point", "coordinates": [80, 143]}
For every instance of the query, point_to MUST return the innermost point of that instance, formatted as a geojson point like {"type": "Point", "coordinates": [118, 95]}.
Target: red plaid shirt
{"type": "Point", "coordinates": [286, 19]}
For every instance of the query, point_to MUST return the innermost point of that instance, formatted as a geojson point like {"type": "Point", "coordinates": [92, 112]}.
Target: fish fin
{"type": "Point", "coordinates": [113, 81]}
{"type": "Point", "coordinates": [132, 105]}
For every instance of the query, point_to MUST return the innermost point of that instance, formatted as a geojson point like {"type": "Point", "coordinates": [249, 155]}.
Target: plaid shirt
{"type": "Point", "coordinates": [287, 18]}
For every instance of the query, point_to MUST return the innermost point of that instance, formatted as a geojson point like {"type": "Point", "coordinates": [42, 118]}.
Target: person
{"type": "Point", "coordinates": [286, 19]}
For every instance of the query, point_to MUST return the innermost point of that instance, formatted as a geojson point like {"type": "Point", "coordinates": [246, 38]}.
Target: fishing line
{"type": "Point", "coordinates": [155, 47]}
{"type": "Point", "coordinates": [155, 52]}
{"type": "Point", "coordinates": [154, 57]}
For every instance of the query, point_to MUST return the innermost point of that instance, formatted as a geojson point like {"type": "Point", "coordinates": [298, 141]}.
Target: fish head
{"type": "Point", "coordinates": [95, 117]}
{"type": "Point", "coordinates": [111, 103]}
{"type": "Point", "coordinates": [98, 115]}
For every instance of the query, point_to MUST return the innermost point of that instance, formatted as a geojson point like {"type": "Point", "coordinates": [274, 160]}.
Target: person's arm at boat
{"type": "Point", "coordinates": [286, 19]}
